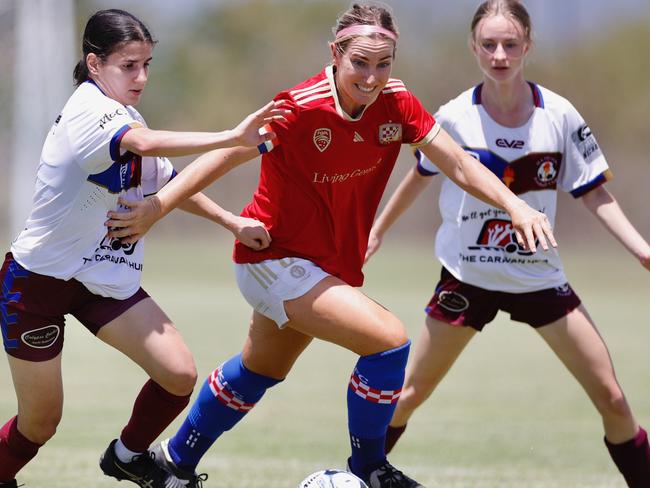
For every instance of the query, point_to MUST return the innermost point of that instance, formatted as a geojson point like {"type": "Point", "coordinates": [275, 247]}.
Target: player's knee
{"type": "Point", "coordinates": [393, 336]}
{"type": "Point", "coordinates": [41, 427]}
{"type": "Point", "coordinates": [180, 380]}
{"type": "Point", "coordinates": [412, 397]}
{"type": "Point", "coordinates": [615, 404]}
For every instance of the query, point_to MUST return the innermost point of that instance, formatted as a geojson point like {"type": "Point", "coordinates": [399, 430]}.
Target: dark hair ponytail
{"type": "Point", "coordinates": [104, 33]}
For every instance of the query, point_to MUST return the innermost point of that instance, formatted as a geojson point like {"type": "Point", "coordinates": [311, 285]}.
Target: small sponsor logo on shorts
{"type": "Point", "coordinates": [563, 290]}
{"type": "Point", "coordinates": [453, 301]}
{"type": "Point", "coordinates": [297, 271]}
{"type": "Point", "coordinates": [41, 338]}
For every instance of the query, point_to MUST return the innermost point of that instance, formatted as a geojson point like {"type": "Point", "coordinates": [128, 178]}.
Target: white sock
{"type": "Point", "coordinates": [123, 453]}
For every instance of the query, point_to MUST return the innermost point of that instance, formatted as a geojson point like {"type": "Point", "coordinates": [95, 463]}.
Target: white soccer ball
{"type": "Point", "coordinates": [332, 478]}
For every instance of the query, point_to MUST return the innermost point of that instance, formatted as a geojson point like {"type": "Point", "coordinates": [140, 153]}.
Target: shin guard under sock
{"type": "Point", "coordinates": [226, 396]}
{"type": "Point", "coordinates": [153, 411]}
{"type": "Point", "coordinates": [374, 389]}
{"type": "Point", "coordinates": [16, 450]}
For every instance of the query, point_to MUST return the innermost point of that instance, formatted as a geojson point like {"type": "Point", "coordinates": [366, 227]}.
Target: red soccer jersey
{"type": "Point", "coordinates": [322, 179]}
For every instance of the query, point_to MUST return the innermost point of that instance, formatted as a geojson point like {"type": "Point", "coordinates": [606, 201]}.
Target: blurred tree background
{"type": "Point", "coordinates": [219, 60]}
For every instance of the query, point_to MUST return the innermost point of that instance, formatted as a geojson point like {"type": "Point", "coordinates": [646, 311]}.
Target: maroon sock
{"type": "Point", "coordinates": [16, 450]}
{"type": "Point", "coordinates": [392, 436]}
{"type": "Point", "coordinates": [153, 411]}
{"type": "Point", "coordinates": [633, 459]}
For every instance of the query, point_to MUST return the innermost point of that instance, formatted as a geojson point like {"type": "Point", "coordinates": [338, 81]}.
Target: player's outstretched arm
{"type": "Point", "coordinates": [604, 206]}
{"type": "Point", "coordinates": [477, 180]}
{"type": "Point", "coordinates": [149, 142]}
{"type": "Point", "coordinates": [407, 191]}
{"type": "Point", "coordinates": [250, 232]}
{"type": "Point", "coordinates": [133, 224]}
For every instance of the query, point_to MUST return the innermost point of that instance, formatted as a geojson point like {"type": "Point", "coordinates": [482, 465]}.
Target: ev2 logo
{"type": "Point", "coordinates": [514, 144]}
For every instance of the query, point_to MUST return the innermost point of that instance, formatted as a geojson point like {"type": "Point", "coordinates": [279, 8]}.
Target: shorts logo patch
{"type": "Point", "coordinates": [453, 301]}
{"type": "Point", "coordinates": [297, 271]}
{"type": "Point", "coordinates": [563, 291]}
{"type": "Point", "coordinates": [41, 338]}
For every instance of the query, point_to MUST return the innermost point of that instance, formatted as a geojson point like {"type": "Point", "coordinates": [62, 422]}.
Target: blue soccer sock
{"type": "Point", "coordinates": [374, 388]}
{"type": "Point", "coordinates": [226, 396]}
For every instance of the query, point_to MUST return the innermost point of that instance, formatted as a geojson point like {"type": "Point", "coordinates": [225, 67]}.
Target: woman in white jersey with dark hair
{"type": "Point", "coordinates": [537, 143]}
{"type": "Point", "coordinates": [320, 184]}
{"type": "Point", "coordinates": [63, 263]}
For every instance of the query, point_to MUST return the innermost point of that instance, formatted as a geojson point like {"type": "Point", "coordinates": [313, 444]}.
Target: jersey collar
{"type": "Point", "coordinates": [329, 72]}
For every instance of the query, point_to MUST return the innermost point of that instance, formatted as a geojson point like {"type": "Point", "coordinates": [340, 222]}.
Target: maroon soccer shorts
{"type": "Point", "coordinates": [461, 304]}
{"type": "Point", "coordinates": [33, 309]}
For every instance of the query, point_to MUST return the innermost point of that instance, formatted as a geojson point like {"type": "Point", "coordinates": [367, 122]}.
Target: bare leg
{"type": "Point", "coordinates": [438, 347]}
{"type": "Point", "coordinates": [577, 343]}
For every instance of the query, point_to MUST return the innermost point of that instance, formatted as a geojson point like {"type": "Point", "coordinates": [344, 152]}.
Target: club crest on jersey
{"type": "Point", "coordinates": [322, 138]}
{"type": "Point", "coordinates": [546, 171]}
{"type": "Point", "coordinates": [390, 133]}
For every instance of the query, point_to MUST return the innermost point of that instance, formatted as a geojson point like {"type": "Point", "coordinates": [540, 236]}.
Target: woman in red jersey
{"type": "Point", "coordinates": [539, 144]}
{"type": "Point", "coordinates": [321, 181]}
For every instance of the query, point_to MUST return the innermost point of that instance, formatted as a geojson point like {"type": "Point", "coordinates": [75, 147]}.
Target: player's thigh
{"type": "Point", "coordinates": [338, 313]}
{"type": "Point", "coordinates": [272, 351]}
{"type": "Point", "coordinates": [145, 334]}
{"type": "Point", "coordinates": [436, 350]}
{"type": "Point", "coordinates": [39, 392]}
{"type": "Point", "coordinates": [578, 344]}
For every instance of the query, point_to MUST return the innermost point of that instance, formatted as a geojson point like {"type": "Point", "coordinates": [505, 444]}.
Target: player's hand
{"type": "Point", "coordinates": [251, 233]}
{"type": "Point", "coordinates": [132, 225]}
{"type": "Point", "coordinates": [247, 133]}
{"type": "Point", "coordinates": [374, 243]}
{"type": "Point", "coordinates": [530, 226]}
{"type": "Point", "coordinates": [645, 261]}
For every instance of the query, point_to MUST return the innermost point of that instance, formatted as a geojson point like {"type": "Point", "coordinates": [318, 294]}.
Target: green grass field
{"type": "Point", "coordinates": [508, 414]}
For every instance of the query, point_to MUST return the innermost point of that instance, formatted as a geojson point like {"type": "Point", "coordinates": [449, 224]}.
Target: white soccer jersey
{"type": "Point", "coordinates": [81, 174]}
{"type": "Point", "coordinates": [553, 149]}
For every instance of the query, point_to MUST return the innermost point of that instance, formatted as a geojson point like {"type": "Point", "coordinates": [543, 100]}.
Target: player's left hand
{"type": "Point", "coordinates": [132, 225]}
{"type": "Point", "coordinates": [247, 133]}
{"type": "Point", "coordinates": [251, 233]}
{"type": "Point", "coordinates": [531, 226]}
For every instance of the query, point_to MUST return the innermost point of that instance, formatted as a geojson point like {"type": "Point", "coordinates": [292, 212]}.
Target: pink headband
{"type": "Point", "coordinates": [363, 30]}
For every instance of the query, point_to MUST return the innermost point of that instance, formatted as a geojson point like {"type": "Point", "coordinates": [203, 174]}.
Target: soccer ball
{"type": "Point", "coordinates": [332, 478]}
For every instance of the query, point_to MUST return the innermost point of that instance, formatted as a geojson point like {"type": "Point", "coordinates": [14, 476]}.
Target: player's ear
{"type": "Point", "coordinates": [335, 53]}
{"type": "Point", "coordinates": [471, 43]}
{"type": "Point", "coordinates": [92, 61]}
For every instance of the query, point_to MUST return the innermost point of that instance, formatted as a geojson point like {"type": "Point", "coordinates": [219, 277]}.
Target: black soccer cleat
{"type": "Point", "coordinates": [9, 484]}
{"type": "Point", "coordinates": [387, 476]}
{"type": "Point", "coordinates": [163, 459]}
{"type": "Point", "coordinates": [142, 470]}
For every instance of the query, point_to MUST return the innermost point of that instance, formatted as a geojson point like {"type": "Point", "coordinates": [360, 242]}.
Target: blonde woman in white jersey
{"type": "Point", "coordinates": [99, 149]}
{"type": "Point", "coordinates": [537, 143]}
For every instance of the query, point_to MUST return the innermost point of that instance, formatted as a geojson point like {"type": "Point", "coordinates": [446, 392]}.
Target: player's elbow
{"type": "Point", "coordinates": [144, 142]}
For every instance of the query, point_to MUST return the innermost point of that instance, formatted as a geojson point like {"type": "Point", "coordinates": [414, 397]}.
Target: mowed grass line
{"type": "Point", "coordinates": [507, 415]}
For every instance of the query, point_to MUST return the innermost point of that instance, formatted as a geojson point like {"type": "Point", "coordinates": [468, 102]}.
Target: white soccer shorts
{"type": "Point", "coordinates": [268, 284]}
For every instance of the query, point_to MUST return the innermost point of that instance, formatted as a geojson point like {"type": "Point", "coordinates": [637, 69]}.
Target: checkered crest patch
{"type": "Point", "coordinates": [390, 133]}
